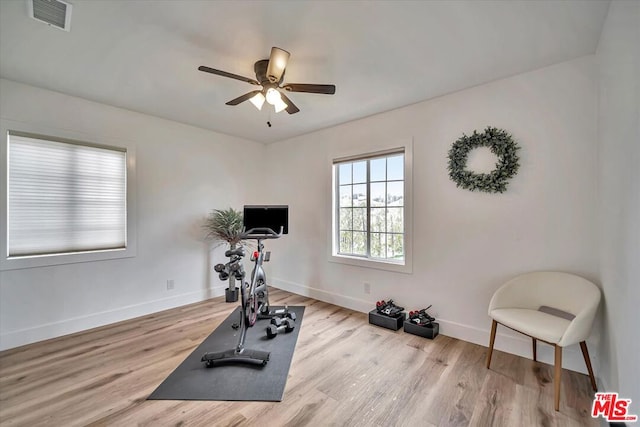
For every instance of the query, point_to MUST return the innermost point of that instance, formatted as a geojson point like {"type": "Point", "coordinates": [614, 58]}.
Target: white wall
{"type": "Point", "coordinates": [182, 173]}
{"type": "Point", "coordinates": [465, 244]}
{"type": "Point", "coordinates": [619, 160]}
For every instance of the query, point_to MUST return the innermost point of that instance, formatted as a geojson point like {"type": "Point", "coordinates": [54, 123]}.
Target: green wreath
{"type": "Point", "coordinates": [501, 144]}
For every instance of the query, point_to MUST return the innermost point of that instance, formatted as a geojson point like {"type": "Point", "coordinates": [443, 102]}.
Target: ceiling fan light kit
{"type": "Point", "coordinates": [280, 105]}
{"type": "Point", "coordinates": [270, 74]}
{"type": "Point", "coordinates": [273, 96]}
{"type": "Point", "coordinates": [257, 100]}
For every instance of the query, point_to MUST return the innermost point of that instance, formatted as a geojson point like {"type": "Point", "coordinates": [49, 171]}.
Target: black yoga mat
{"type": "Point", "coordinates": [192, 380]}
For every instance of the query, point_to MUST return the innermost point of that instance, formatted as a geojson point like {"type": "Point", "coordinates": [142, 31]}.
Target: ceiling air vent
{"type": "Point", "coordinates": [56, 13]}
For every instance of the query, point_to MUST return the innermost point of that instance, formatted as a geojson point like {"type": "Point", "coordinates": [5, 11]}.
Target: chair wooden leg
{"type": "Point", "coordinates": [587, 360]}
{"type": "Point", "coordinates": [535, 349]}
{"type": "Point", "coordinates": [494, 326]}
{"type": "Point", "coordinates": [556, 378]}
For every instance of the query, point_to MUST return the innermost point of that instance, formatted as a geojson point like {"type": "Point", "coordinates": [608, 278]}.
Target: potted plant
{"type": "Point", "coordinates": [226, 225]}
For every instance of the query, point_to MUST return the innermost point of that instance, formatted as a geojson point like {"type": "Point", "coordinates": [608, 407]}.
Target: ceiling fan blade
{"type": "Point", "coordinates": [310, 88]}
{"type": "Point", "coordinates": [277, 63]}
{"type": "Point", "coordinates": [291, 107]}
{"type": "Point", "coordinates": [225, 74]}
{"type": "Point", "coordinates": [243, 98]}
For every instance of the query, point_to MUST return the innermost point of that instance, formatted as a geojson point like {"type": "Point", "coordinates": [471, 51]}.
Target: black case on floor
{"type": "Point", "coordinates": [423, 331]}
{"type": "Point", "coordinates": [393, 323]}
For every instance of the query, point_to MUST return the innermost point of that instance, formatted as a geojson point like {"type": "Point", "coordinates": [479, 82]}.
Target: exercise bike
{"type": "Point", "coordinates": [254, 301]}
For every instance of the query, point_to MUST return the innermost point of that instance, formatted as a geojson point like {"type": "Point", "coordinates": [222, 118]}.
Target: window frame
{"type": "Point", "coordinates": [368, 152]}
{"type": "Point", "coordinates": [34, 131]}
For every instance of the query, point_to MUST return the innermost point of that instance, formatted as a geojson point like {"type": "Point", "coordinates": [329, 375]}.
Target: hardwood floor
{"type": "Point", "coordinates": [344, 372]}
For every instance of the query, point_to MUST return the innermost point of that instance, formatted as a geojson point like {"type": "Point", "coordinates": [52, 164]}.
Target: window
{"type": "Point", "coordinates": [369, 203]}
{"type": "Point", "coordinates": [64, 197]}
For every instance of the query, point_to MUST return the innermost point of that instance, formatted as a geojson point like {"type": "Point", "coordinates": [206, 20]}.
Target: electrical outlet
{"type": "Point", "coordinates": [367, 288]}
{"type": "Point", "coordinates": [170, 284]}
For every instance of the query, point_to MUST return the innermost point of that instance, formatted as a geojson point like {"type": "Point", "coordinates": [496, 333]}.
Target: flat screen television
{"type": "Point", "coordinates": [267, 216]}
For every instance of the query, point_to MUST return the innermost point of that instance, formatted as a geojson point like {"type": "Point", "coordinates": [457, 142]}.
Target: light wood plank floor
{"type": "Point", "coordinates": [344, 372]}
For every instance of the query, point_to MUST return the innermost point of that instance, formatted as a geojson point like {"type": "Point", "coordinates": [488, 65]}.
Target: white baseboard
{"type": "Point", "coordinates": [356, 304]}
{"type": "Point", "coordinates": [82, 323]}
{"type": "Point", "coordinates": [519, 345]}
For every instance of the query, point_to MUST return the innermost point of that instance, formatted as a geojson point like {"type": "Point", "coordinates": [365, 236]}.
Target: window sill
{"type": "Point", "coordinates": [395, 267]}
{"type": "Point", "coordinates": [17, 263]}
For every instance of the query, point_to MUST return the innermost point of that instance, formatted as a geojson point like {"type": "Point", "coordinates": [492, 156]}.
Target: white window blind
{"type": "Point", "coordinates": [64, 196]}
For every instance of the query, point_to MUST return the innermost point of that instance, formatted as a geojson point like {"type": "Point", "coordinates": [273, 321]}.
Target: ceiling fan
{"type": "Point", "coordinates": [269, 75]}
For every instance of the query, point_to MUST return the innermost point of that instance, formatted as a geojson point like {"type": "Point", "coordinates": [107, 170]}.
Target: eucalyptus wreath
{"type": "Point", "coordinates": [501, 144]}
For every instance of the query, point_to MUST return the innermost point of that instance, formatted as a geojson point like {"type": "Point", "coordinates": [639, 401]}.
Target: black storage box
{"type": "Point", "coordinates": [393, 323]}
{"type": "Point", "coordinates": [424, 331]}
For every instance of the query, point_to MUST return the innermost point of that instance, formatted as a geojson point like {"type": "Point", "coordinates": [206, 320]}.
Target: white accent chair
{"type": "Point", "coordinates": [553, 307]}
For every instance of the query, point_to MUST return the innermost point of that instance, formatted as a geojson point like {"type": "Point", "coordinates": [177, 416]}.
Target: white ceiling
{"type": "Point", "coordinates": [144, 55]}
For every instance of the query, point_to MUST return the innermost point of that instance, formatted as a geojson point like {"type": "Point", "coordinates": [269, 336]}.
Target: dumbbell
{"type": "Point", "coordinates": [279, 325]}
{"type": "Point", "coordinates": [236, 269]}
{"type": "Point", "coordinates": [231, 268]}
{"type": "Point", "coordinates": [283, 312]}
{"type": "Point", "coordinates": [279, 321]}
{"type": "Point", "coordinates": [239, 252]}
{"type": "Point", "coordinates": [223, 272]}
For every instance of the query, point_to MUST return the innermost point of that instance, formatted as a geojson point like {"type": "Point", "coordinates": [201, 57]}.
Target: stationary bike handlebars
{"type": "Point", "coordinates": [261, 233]}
